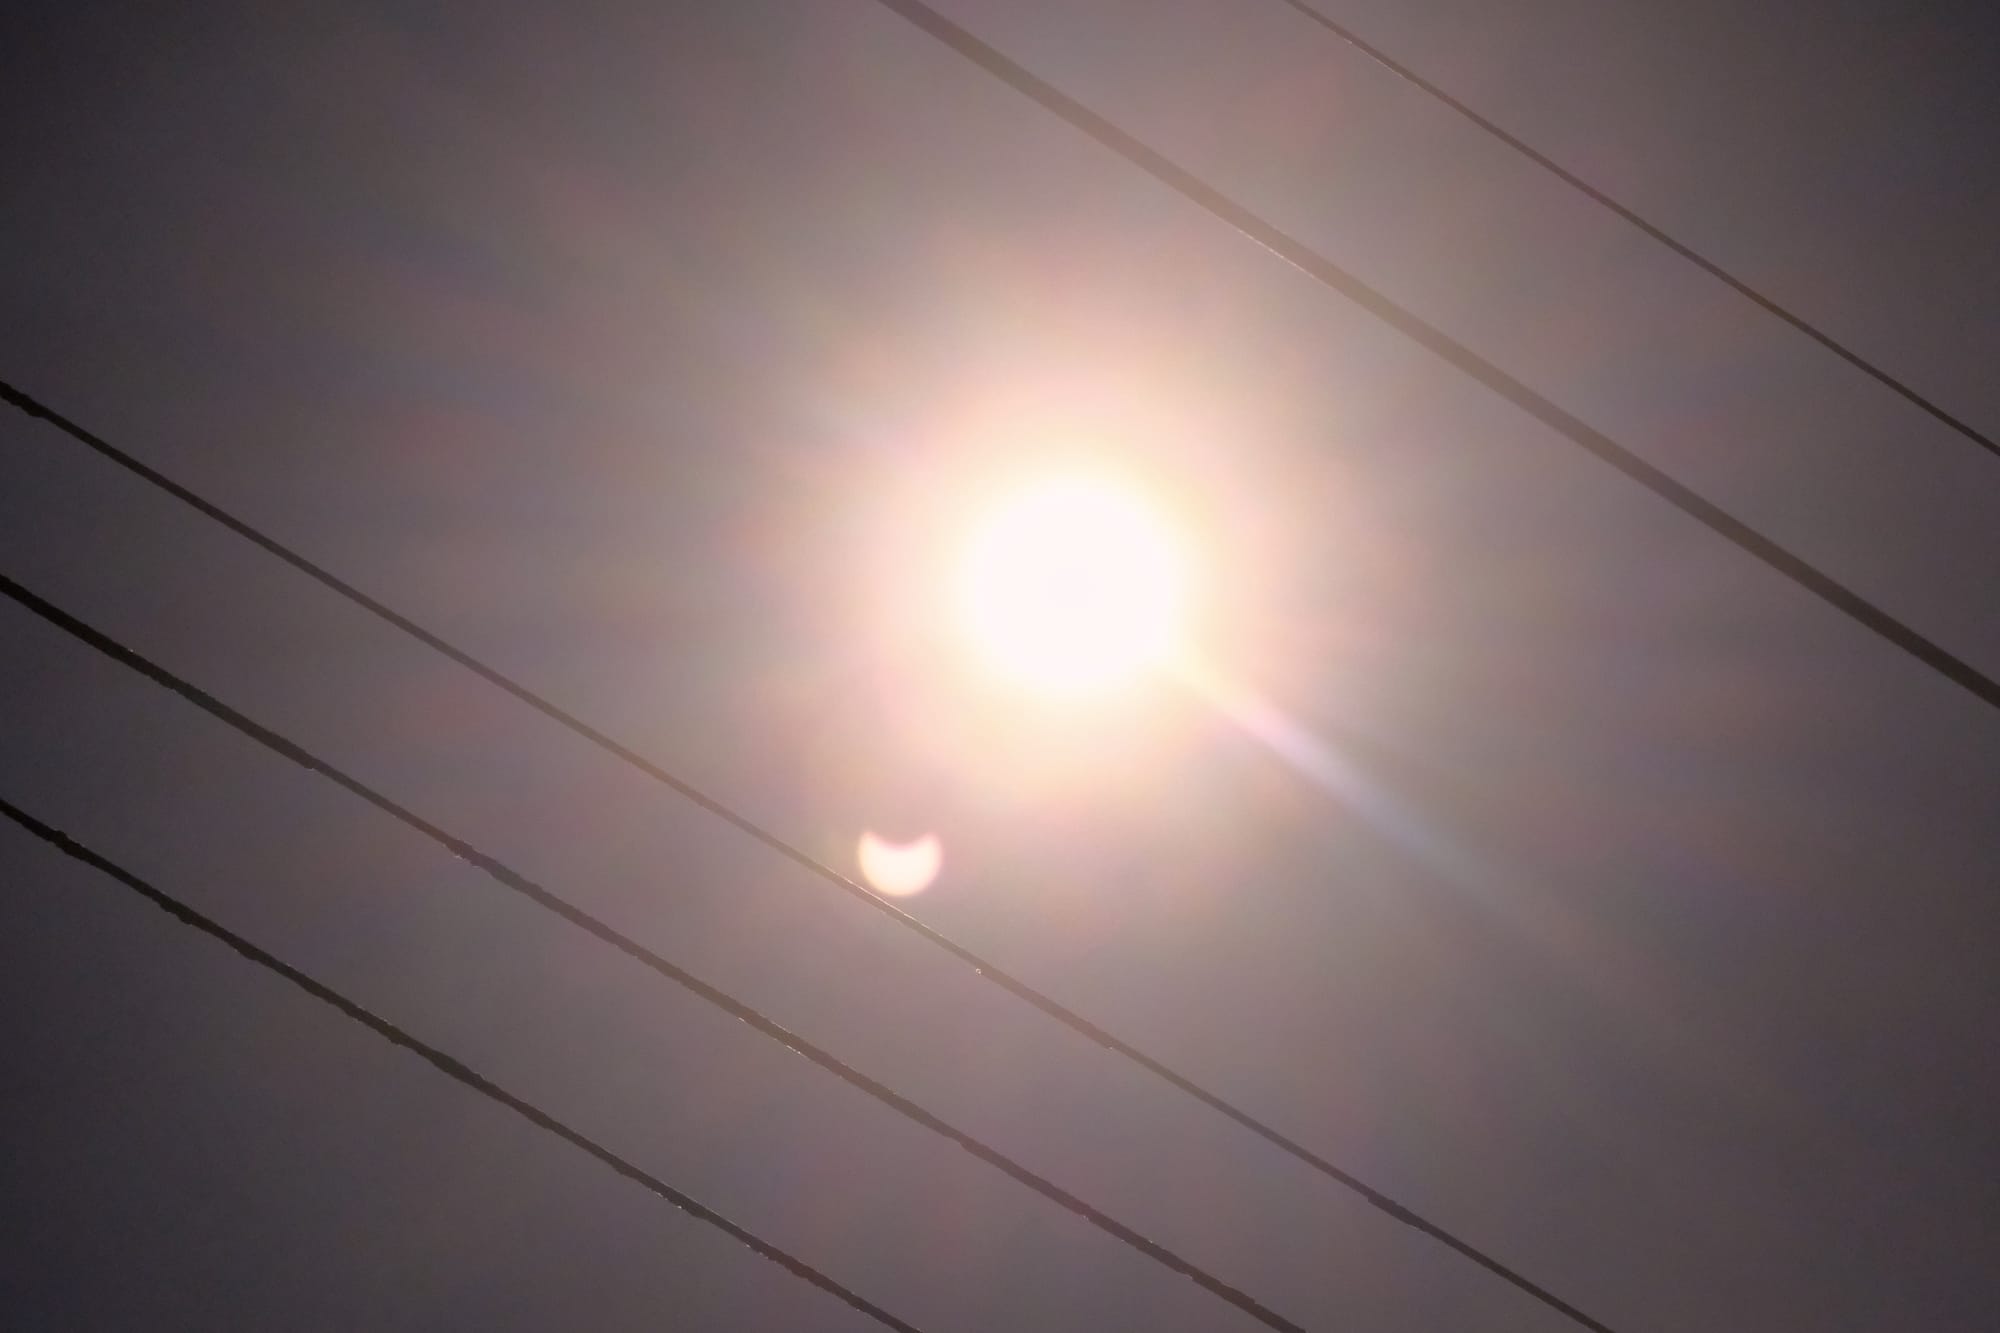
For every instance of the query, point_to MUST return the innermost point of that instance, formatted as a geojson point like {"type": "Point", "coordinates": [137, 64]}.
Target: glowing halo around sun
{"type": "Point", "coordinates": [1072, 587]}
{"type": "Point", "coordinates": [899, 869]}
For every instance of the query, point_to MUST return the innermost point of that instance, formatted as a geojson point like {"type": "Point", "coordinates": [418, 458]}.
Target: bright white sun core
{"type": "Point", "coordinates": [1073, 587]}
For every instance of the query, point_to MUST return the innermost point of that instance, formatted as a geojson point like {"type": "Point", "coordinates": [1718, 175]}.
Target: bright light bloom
{"type": "Point", "coordinates": [1072, 587]}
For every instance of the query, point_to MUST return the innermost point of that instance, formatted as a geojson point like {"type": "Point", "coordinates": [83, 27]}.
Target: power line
{"type": "Point", "coordinates": [1442, 345]}
{"type": "Point", "coordinates": [605, 933]}
{"type": "Point", "coordinates": [1714, 270]}
{"type": "Point", "coordinates": [448, 1065]}
{"type": "Point", "coordinates": [980, 965]}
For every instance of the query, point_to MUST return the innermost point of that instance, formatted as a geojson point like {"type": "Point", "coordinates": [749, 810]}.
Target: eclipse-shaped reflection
{"type": "Point", "coordinates": [899, 869]}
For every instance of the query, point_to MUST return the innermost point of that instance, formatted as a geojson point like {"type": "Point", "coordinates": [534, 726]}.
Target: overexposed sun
{"type": "Point", "coordinates": [1072, 587]}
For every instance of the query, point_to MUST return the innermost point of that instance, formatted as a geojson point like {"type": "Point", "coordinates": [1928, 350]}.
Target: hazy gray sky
{"type": "Point", "coordinates": [643, 349]}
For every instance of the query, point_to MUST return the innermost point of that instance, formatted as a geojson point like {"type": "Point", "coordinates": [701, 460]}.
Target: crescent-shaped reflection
{"type": "Point", "coordinates": [899, 869]}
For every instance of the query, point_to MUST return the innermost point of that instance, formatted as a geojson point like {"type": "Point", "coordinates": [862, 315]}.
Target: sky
{"type": "Point", "coordinates": [655, 352]}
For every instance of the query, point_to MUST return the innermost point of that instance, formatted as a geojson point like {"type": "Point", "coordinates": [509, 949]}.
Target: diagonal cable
{"type": "Point", "coordinates": [1446, 348]}
{"type": "Point", "coordinates": [448, 1065]}
{"type": "Point", "coordinates": [605, 933]}
{"type": "Point", "coordinates": [1659, 235]}
{"type": "Point", "coordinates": [989, 971]}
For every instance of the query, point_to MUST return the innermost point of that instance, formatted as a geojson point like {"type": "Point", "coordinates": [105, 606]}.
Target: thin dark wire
{"type": "Point", "coordinates": [553, 903]}
{"type": "Point", "coordinates": [447, 1065]}
{"type": "Point", "coordinates": [1687, 252]}
{"type": "Point", "coordinates": [1441, 344]}
{"type": "Point", "coordinates": [998, 976]}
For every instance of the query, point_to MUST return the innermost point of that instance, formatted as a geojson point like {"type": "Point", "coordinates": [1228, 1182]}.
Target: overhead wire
{"type": "Point", "coordinates": [550, 901]}
{"type": "Point", "coordinates": [1442, 345]}
{"type": "Point", "coordinates": [1652, 231]}
{"type": "Point", "coordinates": [981, 965]}
{"type": "Point", "coordinates": [448, 1065]}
